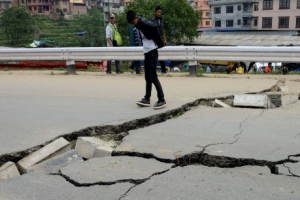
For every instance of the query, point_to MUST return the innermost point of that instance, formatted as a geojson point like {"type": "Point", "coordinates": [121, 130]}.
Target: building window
{"type": "Point", "coordinates": [283, 22]}
{"type": "Point", "coordinates": [29, 1]}
{"type": "Point", "coordinates": [57, 10]}
{"type": "Point", "coordinates": [298, 22]}
{"type": "Point", "coordinates": [245, 7]}
{"type": "Point", "coordinates": [229, 9]}
{"type": "Point", "coordinates": [266, 22]}
{"type": "Point", "coordinates": [217, 10]}
{"type": "Point", "coordinates": [238, 22]}
{"type": "Point", "coordinates": [298, 3]}
{"type": "Point", "coordinates": [207, 23]}
{"type": "Point", "coordinates": [284, 4]}
{"type": "Point", "coordinates": [34, 1]}
{"type": "Point", "coordinates": [56, 2]}
{"type": "Point", "coordinates": [65, 10]}
{"type": "Point", "coordinates": [30, 8]}
{"type": "Point", "coordinates": [229, 23]}
{"type": "Point", "coordinates": [64, 2]}
{"type": "Point", "coordinates": [255, 7]}
{"type": "Point", "coordinates": [22, 1]}
{"type": "Point", "coordinates": [207, 14]}
{"type": "Point", "coordinates": [217, 23]}
{"type": "Point", "coordinates": [34, 7]}
{"type": "Point", "coordinates": [268, 5]}
{"type": "Point", "coordinates": [239, 8]}
{"type": "Point", "coordinates": [255, 22]}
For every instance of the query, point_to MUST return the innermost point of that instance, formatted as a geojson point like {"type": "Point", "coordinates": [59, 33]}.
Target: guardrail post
{"type": "Point", "coordinates": [193, 68]}
{"type": "Point", "coordinates": [71, 67]}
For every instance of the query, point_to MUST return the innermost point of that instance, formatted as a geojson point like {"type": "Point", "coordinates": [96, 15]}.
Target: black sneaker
{"type": "Point", "coordinates": [119, 72]}
{"type": "Point", "coordinates": [143, 102]}
{"type": "Point", "coordinates": [108, 72]}
{"type": "Point", "coordinates": [160, 104]}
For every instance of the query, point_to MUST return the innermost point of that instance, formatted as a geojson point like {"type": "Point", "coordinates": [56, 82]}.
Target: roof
{"type": "Point", "coordinates": [247, 40]}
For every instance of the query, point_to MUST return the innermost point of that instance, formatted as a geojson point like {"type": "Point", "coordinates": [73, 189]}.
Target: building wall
{"type": "Point", "coordinates": [233, 13]}
{"type": "Point", "coordinates": [292, 13]}
{"type": "Point", "coordinates": [39, 6]}
{"type": "Point", "coordinates": [202, 5]}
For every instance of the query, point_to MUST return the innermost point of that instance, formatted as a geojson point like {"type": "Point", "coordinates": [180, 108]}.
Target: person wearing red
{"type": "Point", "coordinates": [268, 68]}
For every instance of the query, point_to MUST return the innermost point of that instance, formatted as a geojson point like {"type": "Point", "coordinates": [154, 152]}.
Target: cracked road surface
{"type": "Point", "coordinates": [147, 164]}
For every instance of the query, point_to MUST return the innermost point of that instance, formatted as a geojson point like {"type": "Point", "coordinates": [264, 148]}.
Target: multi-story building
{"type": "Point", "coordinates": [69, 7]}
{"type": "Point", "coordinates": [126, 2]}
{"type": "Point", "coordinates": [278, 15]}
{"type": "Point", "coordinates": [39, 6]}
{"type": "Point", "coordinates": [4, 4]}
{"type": "Point", "coordinates": [202, 5]}
{"type": "Point", "coordinates": [233, 13]}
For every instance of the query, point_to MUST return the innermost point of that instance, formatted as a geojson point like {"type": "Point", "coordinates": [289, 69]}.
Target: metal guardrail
{"type": "Point", "coordinates": [181, 53]}
{"type": "Point", "coordinates": [187, 53]}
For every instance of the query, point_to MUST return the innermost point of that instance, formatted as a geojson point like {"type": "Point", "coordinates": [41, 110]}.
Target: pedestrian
{"type": "Point", "coordinates": [110, 28]}
{"type": "Point", "coordinates": [135, 40]}
{"type": "Point", "coordinates": [151, 42]}
{"type": "Point", "coordinates": [268, 68]}
{"type": "Point", "coordinates": [157, 19]}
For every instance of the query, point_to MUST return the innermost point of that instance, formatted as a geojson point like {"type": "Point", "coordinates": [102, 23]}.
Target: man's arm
{"type": "Point", "coordinates": [108, 35]}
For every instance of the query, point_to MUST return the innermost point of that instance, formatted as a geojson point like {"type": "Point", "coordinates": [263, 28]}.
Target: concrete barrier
{"type": "Point", "coordinates": [252, 100]}
{"type": "Point", "coordinates": [9, 170]}
{"type": "Point", "coordinates": [91, 147]}
{"type": "Point", "coordinates": [54, 148]}
{"type": "Point", "coordinates": [54, 164]}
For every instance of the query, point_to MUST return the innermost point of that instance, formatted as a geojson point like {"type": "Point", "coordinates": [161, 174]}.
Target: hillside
{"type": "Point", "coordinates": [49, 29]}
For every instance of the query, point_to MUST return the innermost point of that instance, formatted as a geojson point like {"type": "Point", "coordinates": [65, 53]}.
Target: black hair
{"type": "Point", "coordinates": [269, 63]}
{"type": "Point", "coordinates": [130, 16]}
{"type": "Point", "coordinates": [157, 8]}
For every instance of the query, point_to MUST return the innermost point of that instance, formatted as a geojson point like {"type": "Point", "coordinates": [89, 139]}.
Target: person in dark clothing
{"type": "Point", "coordinates": [135, 40]}
{"type": "Point", "coordinates": [157, 19]}
{"type": "Point", "coordinates": [151, 42]}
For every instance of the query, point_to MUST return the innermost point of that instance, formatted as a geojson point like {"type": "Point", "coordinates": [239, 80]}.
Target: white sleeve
{"type": "Point", "coordinates": [109, 31]}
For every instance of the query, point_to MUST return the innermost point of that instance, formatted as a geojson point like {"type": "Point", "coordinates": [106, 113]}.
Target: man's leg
{"type": "Point", "coordinates": [137, 65]}
{"type": "Point", "coordinates": [147, 64]}
{"type": "Point", "coordinates": [153, 55]}
{"type": "Point", "coordinates": [163, 66]}
{"type": "Point", "coordinates": [108, 69]}
{"type": "Point", "coordinates": [117, 62]}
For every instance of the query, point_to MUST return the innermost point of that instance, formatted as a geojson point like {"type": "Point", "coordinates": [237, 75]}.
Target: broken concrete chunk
{"type": "Point", "coordinates": [251, 100]}
{"type": "Point", "coordinates": [9, 170]}
{"type": "Point", "coordinates": [282, 99]}
{"type": "Point", "coordinates": [58, 146]}
{"type": "Point", "coordinates": [92, 147]}
{"type": "Point", "coordinates": [54, 164]}
{"type": "Point", "coordinates": [283, 89]}
{"type": "Point", "coordinates": [218, 103]}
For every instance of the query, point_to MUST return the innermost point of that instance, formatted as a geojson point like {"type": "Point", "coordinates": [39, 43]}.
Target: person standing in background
{"type": "Point", "coordinates": [157, 19]}
{"type": "Point", "coordinates": [136, 41]}
{"type": "Point", "coordinates": [110, 38]}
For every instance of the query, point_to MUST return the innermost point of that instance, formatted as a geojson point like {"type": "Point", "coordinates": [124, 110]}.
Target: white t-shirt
{"type": "Point", "coordinates": [148, 45]}
{"type": "Point", "coordinates": [109, 33]}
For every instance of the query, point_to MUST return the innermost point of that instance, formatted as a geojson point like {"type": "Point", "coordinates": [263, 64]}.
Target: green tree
{"type": "Point", "coordinates": [18, 25]}
{"type": "Point", "coordinates": [61, 18]}
{"type": "Point", "coordinates": [93, 24]}
{"type": "Point", "coordinates": [180, 19]}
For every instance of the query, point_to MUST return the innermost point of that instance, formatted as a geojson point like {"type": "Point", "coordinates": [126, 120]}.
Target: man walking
{"type": "Point", "coordinates": [135, 40]}
{"type": "Point", "coordinates": [157, 19]}
{"type": "Point", "coordinates": [110, 28]}
{"type": "Point", "coordinates": [151, 42]}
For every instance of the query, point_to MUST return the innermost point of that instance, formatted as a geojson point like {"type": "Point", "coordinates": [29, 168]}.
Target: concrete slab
{"type": "Point", "coordinates": [218, 103]}
{"type": "Point", "coordinates": [284, 89]}
{"type": "Point", "coordinates": [54, 164]}
{"type": "Point", "coordinates": [111, 169]}
{"type": "Point", "coordinates": [251, 100]}
{"type": "Point", "coordinates": [46, 187]}
{"type": "Point", "coordinates": [54, 148]}
{"type": "Point", "coordinates": [270, 135]}
{"type": "Point", "coordinates": [282, 99]}
{"type": "Point", "coordinates": [9, 170]}
{"type": "Point", "coordinates": [200, 182]}
{"type": "Point", "coordinates": [92, 147]}
{"type": "Point", "coordinates": [294, 168]}
{"type": "Point", "coordinates": [31, 100]}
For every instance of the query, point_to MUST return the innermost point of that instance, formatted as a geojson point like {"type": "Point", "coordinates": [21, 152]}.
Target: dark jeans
{"type": "Point", "coordinates": [137, 65]}
{"type": "Point", "coordinates": [163, 66]}
{"type": "Point", "coordinates": [117, 62]}
{"type": "Point", "coordinates": [151, 76]}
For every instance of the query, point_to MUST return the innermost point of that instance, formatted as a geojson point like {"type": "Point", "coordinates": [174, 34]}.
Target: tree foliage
{"type": "Point", "coordinates": [179, 18]}
{"type": "Point", "coordinates": [18, 25]}
{"type": "Point", "coordinates": [93, 23]}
